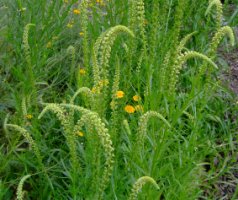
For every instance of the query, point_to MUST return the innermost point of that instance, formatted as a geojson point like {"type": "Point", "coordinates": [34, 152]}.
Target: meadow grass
{"type": "Point", "coordinates": [136, 92]}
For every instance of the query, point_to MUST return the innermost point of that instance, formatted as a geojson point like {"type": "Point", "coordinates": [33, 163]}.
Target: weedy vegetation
{"type": "Point", "coordinates": [109, 99]}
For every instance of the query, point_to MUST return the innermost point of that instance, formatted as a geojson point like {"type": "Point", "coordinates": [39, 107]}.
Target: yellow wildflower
{"type": "Point", "coordinates": [80, 134]}
{"type": "Point", "coordinates": [120, 94]}
{"type": "Point", "coordinates": [81, 33]}
{"type": "Point", "coordinates": [82, 71]}
{"type": "Point", "coordinates": [129, 109]}
{"type": "Point", "coordinates": [66, 1]}
{"type": "Point", "coordinates": [29, 116]}
{"type": "Point", "coordinates": [76, 11]}
{"type": "Point", "coordinates": [136, 98]}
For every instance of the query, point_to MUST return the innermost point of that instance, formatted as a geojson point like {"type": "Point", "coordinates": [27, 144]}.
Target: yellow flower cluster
{"type": "Point", "coordinates": [80, 134]}
{"type": "Point", "coordinates": [129, 108]}
{"type": "Point", "coordinates": [76, 11]}
{"type": "Point", "coordinates": [29, 116]}
{"type": "Point", "coordinates": [136, 98]}
{"type": "Point", "coordinates": [120, 94]}
{"type": "Point", "coordinates": [82, 71]}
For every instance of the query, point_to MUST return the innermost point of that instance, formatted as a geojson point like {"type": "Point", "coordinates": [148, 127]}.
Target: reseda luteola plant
{"type": "Point", "coordinates": [71, 52]}
{"type": "Point", "coordinates": [94, 120]}
{"type": "Point", "coordinates": [66, 122]}
{"type": "Point", "coordinates": [142, 126]}
{"type": "Point", "coordinates": [137, 25]}
{"type": "Point", "coordinates": [139, 184]}
{"type": "Point", "coordinates": [20, 192]}
{"type": "Point", "coordinates": [103, 47]}
{"type": "Point", "coordinates": [171, 55]}
{"type": "Point", "coordinates": [32, 144]}
{"type": "Point", "coordinates": [102, 53]}
{"type": "Point", "coordinates": [181, 59]}
{"type": "Point", "coordinates": [26, 48]}
{"type": "Point", "coordinates": [165, 65]}
{"type": "Point", "coordinates": [219, 11]}
{"type": "Point", "coordinates": [106, 142]}
{"type": "Point", "coordinates": [217, 38]}
{"type": "Point", "coordinates": [115, 120]}
{"type": "Point", "coordinates": [31, 85]}
{"type": "Point", "coordinates": [30, 140]}
{"type": "Point", "coordinates": [84, 22]}
{"type": "Point", "coordinates": [223, 31]}
{"type": "Point", "coordinates": [83, 90]}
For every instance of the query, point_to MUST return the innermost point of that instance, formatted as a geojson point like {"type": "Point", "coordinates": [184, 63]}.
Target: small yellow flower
{"type": "Point", "coordinates": [136, 98]}
{"type": "Point", "coordinates": [120, 94]}
{"type": "Point", "coordinates": [139, 108]}
{"type": "Point", "coordinates": [29, 116]}
{"type": "Point", "coordinates": [80, 134]}
{"type": "Point", "coordinates": [129, 109]}
{"type": "Point", "coordinates": [81, 33]}
{"type": "Point", "coordinates": [76, 11]}
{"type": "Point", "coordinates": [82, 71]}
{"type": "Point", "coordinates": [145, 22]}
{"type": "Point", "coordinates": [66, 1]}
